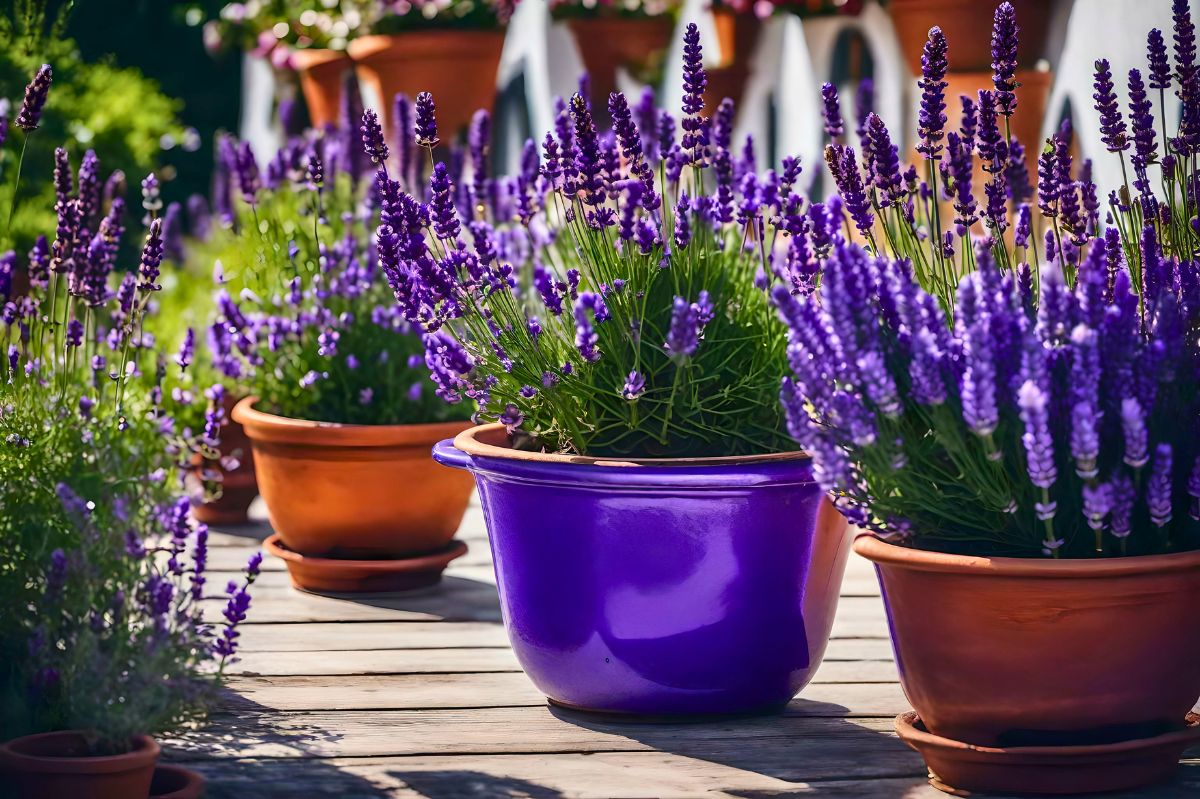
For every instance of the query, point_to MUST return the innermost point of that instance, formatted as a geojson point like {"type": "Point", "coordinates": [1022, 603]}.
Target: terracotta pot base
{"type": "Point", "coordinates": [176, 782]}
{"type": "Point", "coordinates": [955, 767]}
{"type": "Point", "coordinates": [337, 576]}
{"type": "Point", "coordinates": [215, 513]}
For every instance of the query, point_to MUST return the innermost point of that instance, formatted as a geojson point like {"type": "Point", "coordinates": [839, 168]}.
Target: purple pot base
{"type": "Point", "coordinates": [659, 590]}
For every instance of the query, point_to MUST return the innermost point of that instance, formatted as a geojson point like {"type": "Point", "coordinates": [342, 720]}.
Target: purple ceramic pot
{"type": "Point", "coordinates": [659, 587]}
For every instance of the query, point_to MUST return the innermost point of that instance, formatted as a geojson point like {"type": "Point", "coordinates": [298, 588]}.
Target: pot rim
{"type": "Point", "coordinates": [882, 553]}
{"type": "Point", "coordinates": [477, 442]}
{"type": "Point", "coordinates": [268, 427]}
{"type": "Point", "coordinates": [145, 751]}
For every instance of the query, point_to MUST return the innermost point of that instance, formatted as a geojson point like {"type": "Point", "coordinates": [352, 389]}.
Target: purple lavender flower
{"type": "Point", "coordinates": [30, 115]}
{"type": "Point", "coordinates": [1004, 58]}
{"type": "Point", "coordinates": [187, 350]}
{"type": "Point", "coordinates": [1039, 445]}
{"type": "Point", "coordinates": [979, 407]}
{"type": "Point", "coordinates": [931, 119]}
{"type": "Point", "coordinates": [248, 180]}
{"type": "Point", "coordinates": [586, 338]}
{"type": "Point", "coordinates": [1133, 424]}
{"type": "Point", "coordinates": [426, 126]}
{"type": "Point", "coordinates": [373, 142]}
{"type": "Point", "coordinates": [843, 165]}
{"type": "Point", "coordinates": [1158, 489]}
{"type": "Point", "coordinates": [683, 225]}
{"type": "Point", "coordinates": [683, 337]}
{"type": "Point", "coordinates": [1185, 41]}
{"type": "Point", "coordinates": [864, 104]}
{"type": "Point", "coordinates": [1158, 68]}
{"type": "Point", "coordinates": [1141, 119]}
{"type": "Point", "coordinates": [831, 111]}
{"type": "Point", "coordinates": [635, 386]}
{"type": "Point", "coordinates": [152, 255]}
{"type": "Point", "coordinates": [695, 135]}
{"type": "Point", "coordinates": [885, 162]}
{"type": "Point", "coordinates": [441, 206]}
{"type": "Point", "coordinates": [587, 158]}
{"type": "Point", "coordinates": [1112, 125]}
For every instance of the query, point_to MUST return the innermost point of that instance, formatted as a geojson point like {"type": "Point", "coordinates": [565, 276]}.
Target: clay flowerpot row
{"type": "Point", "coordinates": [457, 66]}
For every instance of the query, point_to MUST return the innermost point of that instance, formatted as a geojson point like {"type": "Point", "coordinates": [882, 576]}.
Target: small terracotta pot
{"type": "Point", "coordinates": [355, 491]}
{"type": "Point", "coordinates": [1008, 652]}
{"type": "Point", "coordinates": [737, 36]}
{"type": "Point", "coordinates": [968, 28]}
{"type": "Point", "coordinates": [607, 44]}
{"type": "Point", "coordinates": [176, 782]}
{"type": "Point", "coordinates": [53, 765]}
{"type": "Point", "coordinates": [239, 487]}
{"type": "Point", "coordinates": [321, 74]}
{"type": "Point", "coordinates": [458, 67]}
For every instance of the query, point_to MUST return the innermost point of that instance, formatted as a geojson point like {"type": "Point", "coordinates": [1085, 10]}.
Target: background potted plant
{"type": "Point", "coordinates": [451, 49]}
{"type": "Point", "coordinates": [339, 408]}
{"type": "Point", "coordinates": [105, 641]}
{"type": "Point", "coordinates": [616, 334]}
{"type": "Point", "coordinates": [633, 37]}
{"type": "Point", "coordinates": [1022, 441]}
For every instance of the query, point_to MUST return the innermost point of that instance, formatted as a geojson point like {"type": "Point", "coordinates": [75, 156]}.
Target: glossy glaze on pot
{"type": "Point", "coordinates": [707, 587]}
{"type": "Point", "coordinates": [355, 491]}
{"type": "Point", "coordinates": [50, 766]}
{"type": "Point", "coordinates": [1017, 652]}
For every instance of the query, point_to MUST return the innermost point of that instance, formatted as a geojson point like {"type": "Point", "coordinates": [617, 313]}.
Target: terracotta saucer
{"type": "Point", "coordinates": [176, 782]}
{"type": "Point", "coordinates": [338, 576]}
{"type": "Point", "coordinates": [959, 768]}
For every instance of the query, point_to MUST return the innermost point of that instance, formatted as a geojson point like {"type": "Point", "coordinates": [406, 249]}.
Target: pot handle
{"type": "Point", "coordinates": [445, 453]}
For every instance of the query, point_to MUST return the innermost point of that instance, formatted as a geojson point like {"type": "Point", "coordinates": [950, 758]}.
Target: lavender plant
{"type": "Point", "coordinates": [972, 394]}
{"type": "Point", "coordinates": [101, 570]}
{"type": "Point", "coordinates": [611, 298]}
{"type": "Point", "coordinates": [303, 316]}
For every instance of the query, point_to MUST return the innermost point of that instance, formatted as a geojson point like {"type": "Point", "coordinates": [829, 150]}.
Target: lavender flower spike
{"type": "Point", "coordinates": [1158, 489]}
{"type": "Point", "coordinates": [931, 119]}
{"type": "Point", "coordinates": [372, 138]}
{"type": "Point", "coordinates": [30, 115]}
{"type": "Point", "coordinates": [1158, 68]}
{"type": "Point", "coordinates": [1112, 125]}
{"type": "Point", "coordinates": [152, 255]}
{"type": "Point", "coordinates": [427, 134]}
{"type": "Point", "coordinates": [695, 134]}
{"type": "Point", "coordinates": [832, 112]}
{"type": "Point", "coordinates": [1039, 444]}
{"type": "Point", "coordinates": [1004, 58]}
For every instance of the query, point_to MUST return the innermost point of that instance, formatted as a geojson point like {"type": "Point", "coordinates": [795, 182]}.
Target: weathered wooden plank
{"type": "Point", "coordinates": [371, 635]}
{"type": "Point", "coordinates": [805, 747]}
{"type": "Point", "coordinates": [333, 637]}
{"type": "Point", "coordinates": [619, 775]}
{"type": "Point", "coordinates": [474, 661]}
{"type": "Point", "coordinates": [508, 689]}
{"type": "Point", "coordinates": [615, 775]}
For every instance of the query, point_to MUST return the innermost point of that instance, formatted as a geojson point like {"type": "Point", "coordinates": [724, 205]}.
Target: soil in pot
{"type": "Point", "coordinates": [56, 765]}
{"type": "Point", "coordinates": [1008, 652]}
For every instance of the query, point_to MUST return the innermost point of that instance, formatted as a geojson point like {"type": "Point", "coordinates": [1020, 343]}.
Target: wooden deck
{"type": "Point", "coordinates": [420, 696]}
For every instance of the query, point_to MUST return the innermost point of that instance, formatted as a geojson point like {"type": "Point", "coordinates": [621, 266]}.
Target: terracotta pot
{"type": "Point", "coordinates": [607, 44]}
{"type": "Point", "coordinates": [176, 782]}
{"type": "Point", "coordinates": [458, 67]}
{"type": "Point", "coordinates": [737, 36]}
{"type": "Point", "coordinates": [239, 487]}
{"type": "Point", "coordinates": [968, 28]}
{"type": "Point", "coordinates": [1016, 652]}
{"type": "Point", "coordinates": [53, 765]}
{"type": "Point", "coordinates": [355, 491]}
{"type": "Point", "coordinates": [321, 75]}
